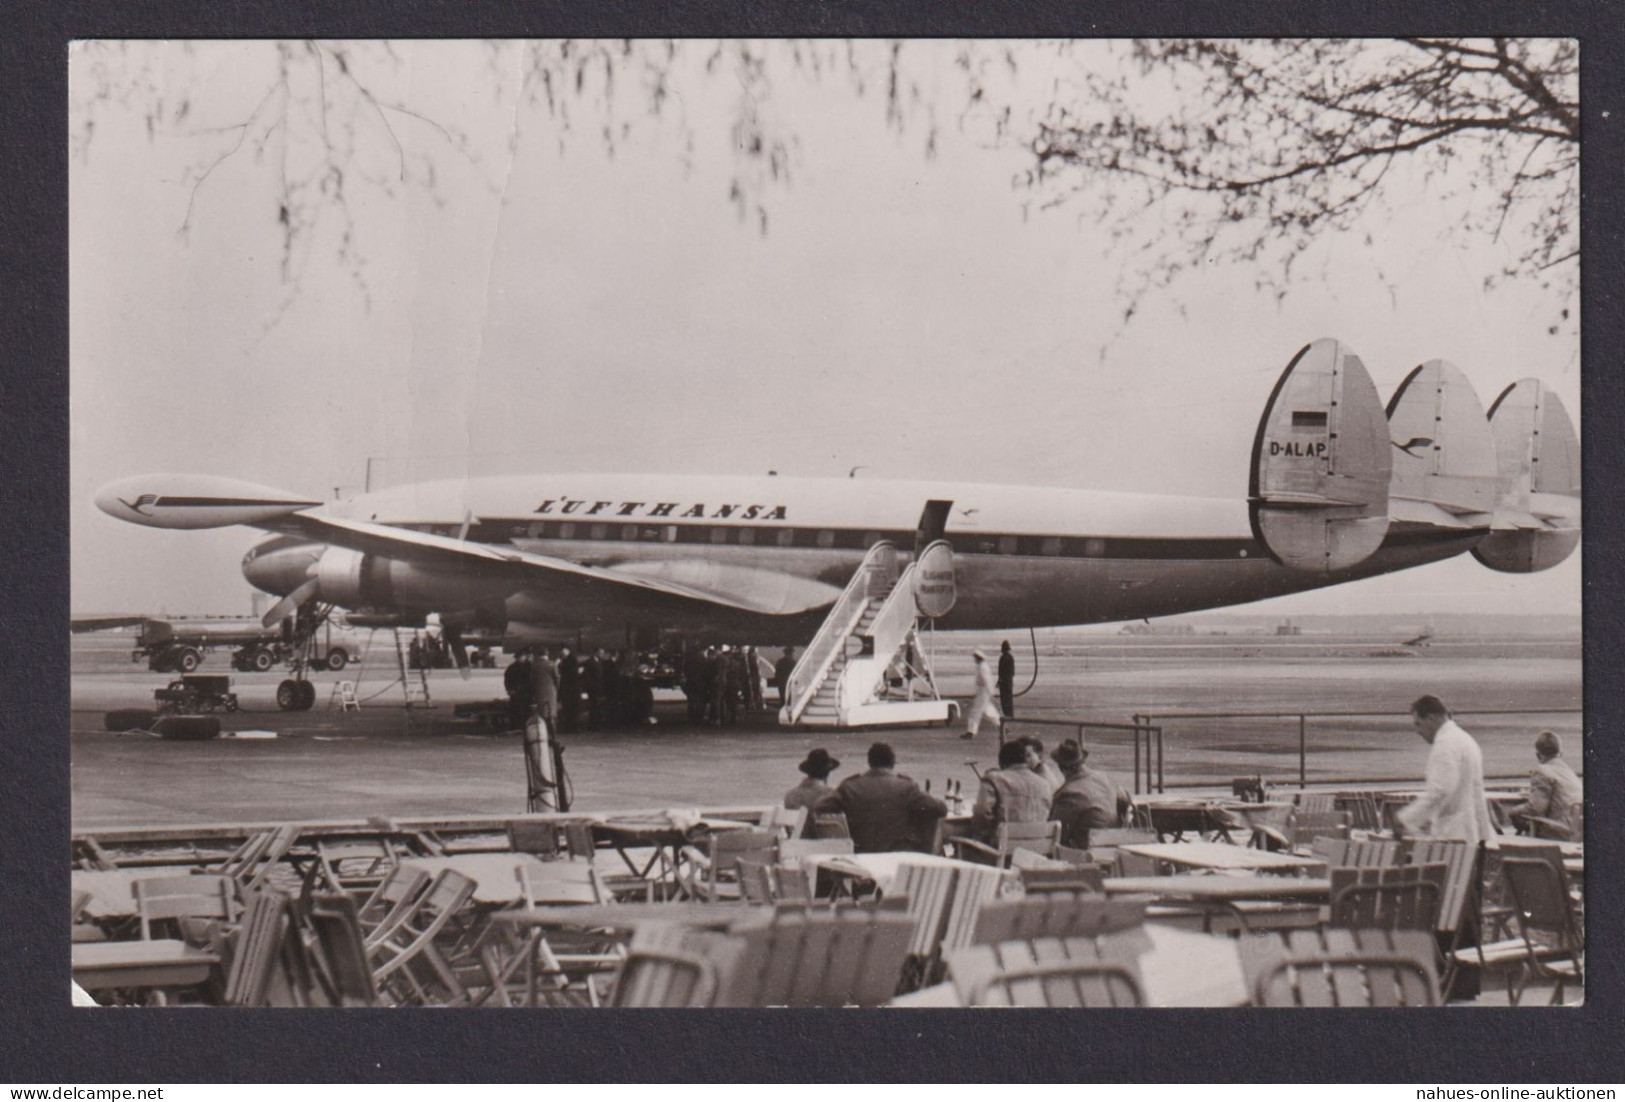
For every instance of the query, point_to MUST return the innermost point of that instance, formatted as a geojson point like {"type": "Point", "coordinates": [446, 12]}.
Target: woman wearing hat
{"type": "Point", "coordinates": [818, 766]}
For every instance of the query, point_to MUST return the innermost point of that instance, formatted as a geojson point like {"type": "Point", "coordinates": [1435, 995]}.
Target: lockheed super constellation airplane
{"type": "Point", "coordinates": [1341, 488]}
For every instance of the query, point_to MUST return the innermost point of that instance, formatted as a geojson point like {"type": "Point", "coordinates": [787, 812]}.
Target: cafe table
{"type": "Point", "coordinates": [662, 836]}
{"type": "Point", "coordinates": [496, 876]}
{"type": "Point", "coordinates": [166, 962]}
{"type": "Point", "coordinates": [1255, 901]}
{"type": "Point", "coordinates": [1226, 858]}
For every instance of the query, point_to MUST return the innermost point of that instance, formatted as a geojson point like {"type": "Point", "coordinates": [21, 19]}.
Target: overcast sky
{"type": "Point", "coordinates": [542, 305]}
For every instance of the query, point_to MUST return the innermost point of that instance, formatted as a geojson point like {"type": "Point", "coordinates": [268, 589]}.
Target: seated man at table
{"type": "Point", "coordinates": [1087, 800]}
{"type": "Point", "coordinates": [885, 811]}
{"type": "Point", "coordinates": [1012, 793]}
{"type": "Point", "coordinates": [1553, 807]}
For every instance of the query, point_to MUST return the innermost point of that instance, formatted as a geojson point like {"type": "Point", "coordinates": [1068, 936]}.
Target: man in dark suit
{"type": "Point", "coordinates": [1007, 680]}
{"type": "Point", "coordinates": [885, 811]}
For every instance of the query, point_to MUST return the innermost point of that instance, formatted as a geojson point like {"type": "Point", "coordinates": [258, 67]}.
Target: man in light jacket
{"type": "Point", "coordinates": [1452, 803]}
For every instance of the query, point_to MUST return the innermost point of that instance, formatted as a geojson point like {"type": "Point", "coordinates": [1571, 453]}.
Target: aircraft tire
{"type": "Point", "coordinates": [262, 661]}
{"type": "Point", "coordinates": [337, 659]}
{"type": "Point", "coordinates": [187, 728]}
{"type": "Point", "coordinates": [288, 695]}
{"type": "Point", "coordinates": [188, 660]}
{"type": "Point", "coordinates": [307, 696]}
{"type": "Point", "coordinates": [130, 719]}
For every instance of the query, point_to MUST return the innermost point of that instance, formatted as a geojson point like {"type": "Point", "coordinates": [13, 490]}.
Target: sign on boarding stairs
{"type": "Point", "coordinates": [872, 629]}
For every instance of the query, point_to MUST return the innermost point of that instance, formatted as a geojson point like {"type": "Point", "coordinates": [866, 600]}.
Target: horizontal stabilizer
{"type": "Point", "coordinates": [1321, 463]}
{"type": "Point", "coordinates": [1537, 520]}
{"type": "Point", "coordinates": [1444, 453]}
{"type": "Point", "coordinates": [196, 501]}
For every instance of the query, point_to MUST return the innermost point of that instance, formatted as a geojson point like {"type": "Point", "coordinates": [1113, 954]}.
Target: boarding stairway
{"type": "Point", "coordinates": [872, 630]}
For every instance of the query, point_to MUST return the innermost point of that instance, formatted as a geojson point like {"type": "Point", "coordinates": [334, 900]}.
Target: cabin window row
{"type": "Point", "coordinates": [821, 538]}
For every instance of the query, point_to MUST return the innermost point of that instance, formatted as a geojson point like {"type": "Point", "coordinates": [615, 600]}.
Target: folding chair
{"type": "Point", "coordinates": [171, 899]}
{"type": "Point", "coordinates": [256, 948]}
{"type": "Point", "coordinates": [391, 901]}
{"type": "Point", "coordinates": [1553, 937]}
{"type": "Point", "coordinates": [830, 824]}
{"type": "Point", "coordinates": [1069, 878]}
{"type": "Point", "coordinates": [852, 956]}
{"type": "Point", "coordinates": [1063, 984]}
{"type": "Point", "coordinates": [1348, 979]}
{"type": "Point", "coordinates": [756, 881]}
{"type": "Point", "coordinates": [1041, 838]}
{"type": "Point", "coordinates": [788, 822]}
{"type": "Point", "coordinates": [354, 866]}
{"type": "Point", "coordinates": [1316, 803]}
{"type": "Point", "coordinates": [394, 955]}
{"type": "Point", "coordinates": [1055, 914]}
{"type": "Point", "coordinates": [340, 951]}
{"type": "Point", "coordinates": [1403, 897]}
{"type": "Point", "coordinates": [1458, 905]}
{"type": "Point", "coordinates": [713, 875]}
{"type": "Point", "coordinates": [538, 838]}
{"type": "Point", "coordinates": [1103, 849]}
{"type": "Point", "coordinates": [671, 966]}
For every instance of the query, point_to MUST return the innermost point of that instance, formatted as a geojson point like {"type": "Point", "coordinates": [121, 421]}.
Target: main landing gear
{"type": "Point", "coordinates": [295, 695]}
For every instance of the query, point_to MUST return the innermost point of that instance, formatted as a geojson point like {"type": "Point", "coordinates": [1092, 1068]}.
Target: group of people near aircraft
{"type": "Point", "coordinates": [720, 681]}
{"type": "Point", "coordinates": [576, 692]}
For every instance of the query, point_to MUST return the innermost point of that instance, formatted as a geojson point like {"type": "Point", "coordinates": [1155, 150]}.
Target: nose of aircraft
{"type": "Point", "coordinates": [281, 565]}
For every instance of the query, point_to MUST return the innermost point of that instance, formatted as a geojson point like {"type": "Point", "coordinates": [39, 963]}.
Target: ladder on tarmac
{"type": "Point", "coordinates": [872, 630]}
{"type": "Point", "coordinates": [414, 683]}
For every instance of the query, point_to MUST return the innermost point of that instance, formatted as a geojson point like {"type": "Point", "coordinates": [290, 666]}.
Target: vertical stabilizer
{"type": "Point", "coordinates": [1537, 520]}
{"type": "Point", "coordinates": [1444, 453]}
{"type": "Point", "coordinates": [1321, 463]}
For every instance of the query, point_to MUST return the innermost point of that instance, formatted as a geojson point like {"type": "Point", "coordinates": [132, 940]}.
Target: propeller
{"type": "Point", "coordinates": [458, 648]}
{"type": "Point", "coordinates": [290, 604]}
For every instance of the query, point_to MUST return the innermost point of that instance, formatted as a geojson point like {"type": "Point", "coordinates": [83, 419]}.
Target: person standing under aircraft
{"type": "Point", "coordinates": [569, 691]}
{"type": "Point", "coordinates": [1007, 679]}
{"type": "Point", "coordinates": [982, 707]}
{"type": "Point", "coordinates": [518, 682]}
{"type": "Point", "coordinates": [782, 669]}
{"type": "Point", "coordinates": [753, 679]}
{"type": "Point", "coordinates": [695, 685]}
{"type": "Point", "coordinates": [545, 678]}
{"type": "Point", "coordinates": [885, 811]}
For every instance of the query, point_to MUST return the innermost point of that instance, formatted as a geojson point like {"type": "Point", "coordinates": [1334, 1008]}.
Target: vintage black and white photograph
{"type": "Point", "coordinates": [826, 523]}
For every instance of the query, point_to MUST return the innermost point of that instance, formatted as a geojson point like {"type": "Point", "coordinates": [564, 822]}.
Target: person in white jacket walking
{"type": "Point", "coordinates": [982, 707]}
{"type": "Point", "coordinates": [1452, 802]}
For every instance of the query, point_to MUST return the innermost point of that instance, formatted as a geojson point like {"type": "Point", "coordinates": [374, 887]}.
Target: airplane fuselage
{"type": "Point", "coordinates": [1023, 556]}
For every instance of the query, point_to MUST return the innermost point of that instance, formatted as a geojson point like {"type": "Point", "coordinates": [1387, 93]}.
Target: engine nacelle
{"type": "Point", "coordinates": [1525, 552]}
{"type": "Point", "coordinates": [355, 579]}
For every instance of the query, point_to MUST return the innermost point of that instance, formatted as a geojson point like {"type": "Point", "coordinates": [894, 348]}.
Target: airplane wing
{"type": "Point", "coordinates": [765, 592]}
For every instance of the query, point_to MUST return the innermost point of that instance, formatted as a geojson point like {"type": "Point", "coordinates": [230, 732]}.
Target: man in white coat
{"type": "Point", "coordinates": [982, 707]}
{"type": "Point", "coordinates": [1452, 802]}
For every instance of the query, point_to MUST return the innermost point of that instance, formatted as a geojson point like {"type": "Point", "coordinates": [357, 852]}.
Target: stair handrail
{"type": "Point", "coordinates": [877, 570]}
{"type": "Point", "coordinates": [889, 630]}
